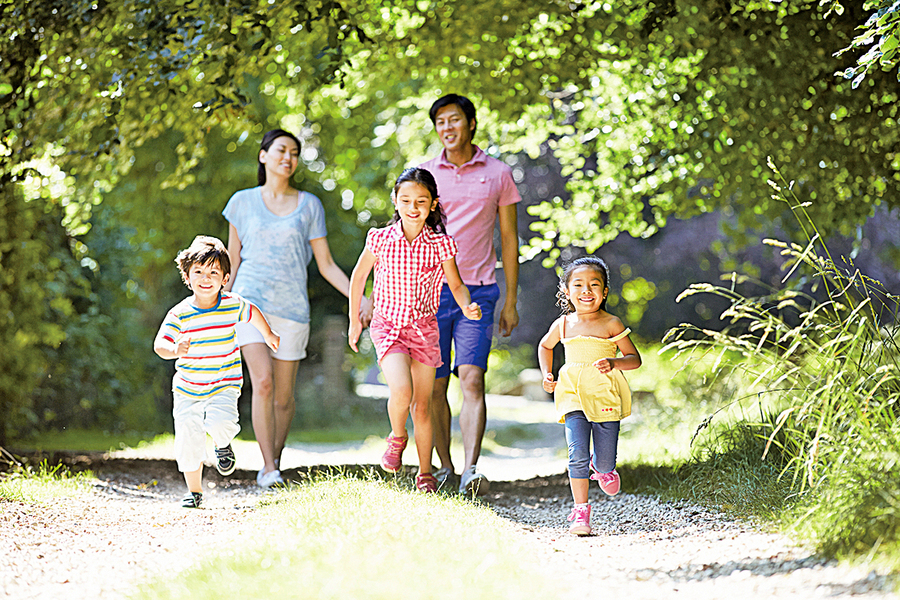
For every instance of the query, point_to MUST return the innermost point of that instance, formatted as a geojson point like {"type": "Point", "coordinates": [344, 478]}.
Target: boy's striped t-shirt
{"type": "Point", "coordinates": [213, 361]}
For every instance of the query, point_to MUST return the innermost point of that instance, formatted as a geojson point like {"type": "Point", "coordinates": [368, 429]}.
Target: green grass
{"type": "Point", "coordinates": [42, 485]}
{"type": "Point", "coordinates": [346, 538]}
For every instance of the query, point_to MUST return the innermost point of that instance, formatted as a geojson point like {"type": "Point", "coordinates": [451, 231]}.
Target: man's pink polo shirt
{"type": "Point", "coordinates": [471, 196]}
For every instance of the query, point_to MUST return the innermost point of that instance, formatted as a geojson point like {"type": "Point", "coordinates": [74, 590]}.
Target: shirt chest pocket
{"type": "Point", "coordinates": [483, 188]}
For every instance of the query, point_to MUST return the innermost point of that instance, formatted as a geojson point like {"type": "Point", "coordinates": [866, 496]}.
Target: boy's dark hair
{"type": "Point", "coordinates": [268, 138]}
{"type": "Point", "coordinates": [423, 177]}
{"type": "Point", "coordinates": [592, 262]}
{"type": "Point", "coordinates": [462, 102]}
{"type": "Point", "coordinates": [203, 250]}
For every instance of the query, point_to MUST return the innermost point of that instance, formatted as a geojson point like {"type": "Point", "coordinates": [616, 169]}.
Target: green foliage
{"type": "Point", "coordinates": [652, 109]}
{"type": "Point", "coordinates": [82, 84]}
{"type": "Point", "coordinates": [823, 353]}
{"type": "Point", "coordinates": [38, 276]}
{"type": "Point", "coordinates": [881, 31]}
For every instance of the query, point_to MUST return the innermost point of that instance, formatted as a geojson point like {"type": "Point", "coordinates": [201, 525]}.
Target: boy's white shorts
{"type": "Point", "coordinates": [294, 337]}
{"type": "Point", "coordinates": [216, 415]}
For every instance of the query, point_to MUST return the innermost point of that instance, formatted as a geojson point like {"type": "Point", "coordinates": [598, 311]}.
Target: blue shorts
{"type": "Point", "coordinates": [471, 340]}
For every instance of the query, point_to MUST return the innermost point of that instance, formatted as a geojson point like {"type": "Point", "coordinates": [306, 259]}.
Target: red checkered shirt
{"type": "Point", "coordinates": [408, 276]}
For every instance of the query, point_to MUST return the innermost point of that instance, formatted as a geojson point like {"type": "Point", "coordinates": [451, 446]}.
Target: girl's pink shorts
{"type": "Point", "coordinates": [419, 340]}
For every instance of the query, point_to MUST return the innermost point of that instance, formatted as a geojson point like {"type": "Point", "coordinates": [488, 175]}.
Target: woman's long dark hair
{"type": "Point", "coordinates": [423, 177]}
{"type": "Point", "coordinates": [267, 140]}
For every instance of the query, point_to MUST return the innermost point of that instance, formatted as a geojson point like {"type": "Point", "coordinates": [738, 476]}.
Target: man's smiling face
{"type": "Point", "coordinates": [453, 129]}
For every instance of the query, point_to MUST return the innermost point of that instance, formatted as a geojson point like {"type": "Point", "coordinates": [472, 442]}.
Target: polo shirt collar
{"type": "Point", "coordinates": [478, 157]}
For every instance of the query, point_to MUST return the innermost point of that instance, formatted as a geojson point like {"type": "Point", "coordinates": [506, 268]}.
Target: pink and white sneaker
{"type": "Point", "coordinates": [610, 482]}
{"type": "Point", "coordinates": [426, 482]}
{"type": "Point", "coordinates": [392, 459]}
{"type": "Point", "coordinates": [581, 520]}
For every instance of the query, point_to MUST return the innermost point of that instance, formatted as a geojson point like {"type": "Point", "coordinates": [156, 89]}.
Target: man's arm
{"type": "Point", "coordinates": [509, 253]}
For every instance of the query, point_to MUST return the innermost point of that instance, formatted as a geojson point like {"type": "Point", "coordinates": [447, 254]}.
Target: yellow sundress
{"type": "Point", "coordinates": [581, 386]}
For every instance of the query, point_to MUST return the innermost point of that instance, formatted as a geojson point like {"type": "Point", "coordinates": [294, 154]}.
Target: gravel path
{"type": "Point", "coordinates": [131, 529]}
{"type": "Point", "coordinates": [642, 548]}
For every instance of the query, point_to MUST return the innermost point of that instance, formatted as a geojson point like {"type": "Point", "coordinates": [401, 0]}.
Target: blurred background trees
{"type": "Point", "coordinates": [127, 124]}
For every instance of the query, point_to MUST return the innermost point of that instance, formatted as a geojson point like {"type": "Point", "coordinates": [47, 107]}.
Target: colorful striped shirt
{"type": "Point", "coordinates": [213, 362]}
{"type": "Point", "coordinates": [408, 276]}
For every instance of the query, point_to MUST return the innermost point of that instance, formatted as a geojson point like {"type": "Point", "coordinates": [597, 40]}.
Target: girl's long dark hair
{"type": "Point", "coordinates": [423, 177]}
{"type": "Point", "coordinates": [267, 140]}
{"type": "Point", "coordinates": [592, 262]}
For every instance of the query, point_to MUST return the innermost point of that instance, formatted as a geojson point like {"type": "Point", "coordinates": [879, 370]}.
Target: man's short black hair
{"type": "Point", "coordinates": [462, 102]}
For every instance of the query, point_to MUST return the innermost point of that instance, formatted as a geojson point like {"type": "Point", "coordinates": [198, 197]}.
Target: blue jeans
{"type": "Point", "coordinates": [578, 436]}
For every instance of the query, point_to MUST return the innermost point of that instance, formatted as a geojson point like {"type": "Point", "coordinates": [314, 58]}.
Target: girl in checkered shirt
{"type": "Point", "coordinates": [411, 257]}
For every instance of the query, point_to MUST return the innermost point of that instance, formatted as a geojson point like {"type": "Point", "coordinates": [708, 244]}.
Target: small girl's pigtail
{"type": "Point", "coordinates": [562, 301]}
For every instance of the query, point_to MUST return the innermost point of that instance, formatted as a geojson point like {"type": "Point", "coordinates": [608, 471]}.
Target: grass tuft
{"type": "Point", "coordinates": [340, 537]}
{"type": "Point", "coordinates": [41, 485]}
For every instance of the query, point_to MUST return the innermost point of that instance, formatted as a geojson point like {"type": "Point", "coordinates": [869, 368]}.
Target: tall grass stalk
{"type": "Point", "coordinates": [821, 352]}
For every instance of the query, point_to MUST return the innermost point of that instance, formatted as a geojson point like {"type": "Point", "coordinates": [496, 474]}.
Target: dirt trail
{"type": "Point", "coordinates": [131, 529]}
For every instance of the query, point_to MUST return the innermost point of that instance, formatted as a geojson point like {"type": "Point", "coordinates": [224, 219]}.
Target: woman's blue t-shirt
{"type": "Point", "coordinates": [275, 252]}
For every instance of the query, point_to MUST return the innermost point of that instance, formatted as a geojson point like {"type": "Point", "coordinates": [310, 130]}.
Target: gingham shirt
{"type": "Point", "coordinates": [408, 276]}
{"type": "Point", "coordinates": [213, 362]}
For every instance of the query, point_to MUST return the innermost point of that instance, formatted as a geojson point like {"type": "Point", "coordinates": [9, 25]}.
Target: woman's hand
{"type": "Point", "coordinates": [366, 310]}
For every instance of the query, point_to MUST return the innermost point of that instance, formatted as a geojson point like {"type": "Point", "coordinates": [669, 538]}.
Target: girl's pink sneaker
{"type": "Point", "coordinates": [581, 520]}
{"type": "Point", "coordinates": [392, 459]}
{"type": "Point", "coordinates": [609, 482]}
{"type": "Point", "coordinates": [426, 482]}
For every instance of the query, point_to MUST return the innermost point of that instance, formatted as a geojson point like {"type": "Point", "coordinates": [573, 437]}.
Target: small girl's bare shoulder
{"type": "Point", "coordinates": [613, 325]}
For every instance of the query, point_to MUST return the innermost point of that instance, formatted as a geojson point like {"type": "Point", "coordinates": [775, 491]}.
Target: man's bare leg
{"type": "Point", "coordinates": [473, 415]}
{"type": "Point", "coordinates": [440, 421]}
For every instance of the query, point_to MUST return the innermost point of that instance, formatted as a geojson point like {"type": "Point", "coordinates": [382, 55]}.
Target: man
{"type": "Point", "coordinates": [475, 190]}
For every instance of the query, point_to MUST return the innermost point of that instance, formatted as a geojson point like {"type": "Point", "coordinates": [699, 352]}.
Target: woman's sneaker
{"type": "Point", "coordinates": [225, 461]}
{"type": "Point", "coordinates": [581, 520]}
{"type": "Point", "coordinates": [426, 482]}
{"type": "Point", "coordinates": [445, 477]}
{"type": "Point", "coordinates": [392, 459]}
{"type": "Point", "coordinates": [268, 479]}
{"type": "Point", "coordinates": [610, 482]}
{"type": "Point", "coordinates": [473, 483]}
{"type": "Point", "coordinates": [192, 500]}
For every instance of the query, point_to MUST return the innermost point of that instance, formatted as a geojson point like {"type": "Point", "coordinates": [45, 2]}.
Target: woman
{"type": "Point", "coordinates": [274, 231]}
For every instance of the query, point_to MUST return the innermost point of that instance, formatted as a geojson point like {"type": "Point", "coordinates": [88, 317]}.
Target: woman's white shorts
{"type": "Point", "coordinates": [294, 337]}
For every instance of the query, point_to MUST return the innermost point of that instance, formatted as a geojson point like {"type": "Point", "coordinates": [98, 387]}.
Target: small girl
{"type": "Point", "coordinates": [591, 395]}
{"type": "Point", "coordinates": [411, 257]}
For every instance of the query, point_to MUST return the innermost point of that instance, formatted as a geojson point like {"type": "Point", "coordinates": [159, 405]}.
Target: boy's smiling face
{"type": "Point", "coordinates": [206, 281]}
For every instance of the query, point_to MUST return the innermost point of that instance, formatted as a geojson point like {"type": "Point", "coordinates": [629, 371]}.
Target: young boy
{"type": "Point", "coordinates": [199, 333]}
